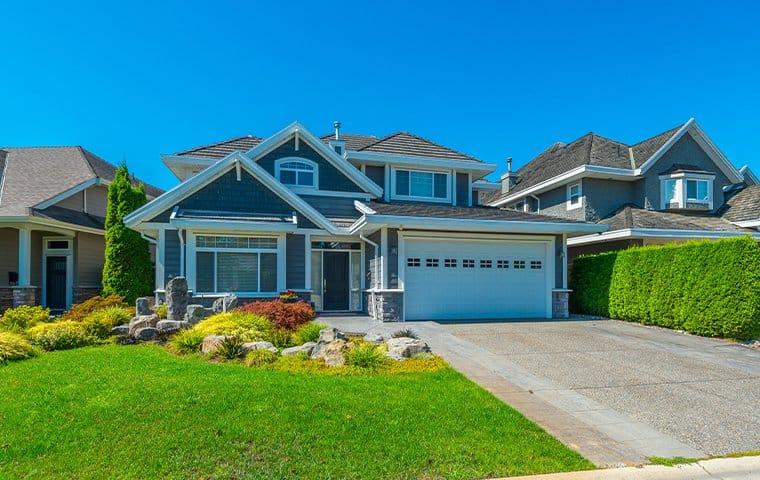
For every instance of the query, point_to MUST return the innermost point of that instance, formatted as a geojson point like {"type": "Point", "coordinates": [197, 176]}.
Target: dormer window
{"type": "Point", "coordinates": [687, 191]}
{"type": "Point", "coordinates": [297, 172]}
{"type": "Point", "coordinates": [698, 191]}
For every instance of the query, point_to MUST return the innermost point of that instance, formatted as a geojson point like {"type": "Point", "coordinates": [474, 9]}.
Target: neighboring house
{"type": "Point", "coordinates": [674, 186]}
{"type": "Point", "coordinates": [52, 209]}
{"type": "Point", "coordinates": [355, 223]}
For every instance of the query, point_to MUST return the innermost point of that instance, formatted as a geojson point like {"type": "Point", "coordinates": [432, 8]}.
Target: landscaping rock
{"type": "Point", "coordinates": [120, 330]}
{"type": "Point", "coordinates": [249, 346]}
{"type": "Point", "coordinates": [306, 348]}
{"type": "Point", "coordinates": [211, 343]}
{"type": "Point", "coordinates": [374, 337]}
{"type": "Point", "coordinates": [146, 334]}
{"type": "Point", "coordinates": [176, 298]}
{"type": "Point", "coordinates": [331, 353]}
{"type": "Point", "coordinates": [225, 304]}
{"type": "Point", "coordinates": [142, 321]}
{"type": "Point", "coordinates": [169, 326]}
{"type": "Point", "coordinates": [327, 335]}
{"type": "Point", "coordinates": [142, 306]}
{"type": "Point", "coordinates": [196, 313]}
{"type": "Point", "coordinates": [405, 347]}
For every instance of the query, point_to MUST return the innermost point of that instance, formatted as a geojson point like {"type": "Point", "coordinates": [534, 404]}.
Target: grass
{"type": "Point", "coordinates": [673, 461]}
{"type": "Point", "coordinates": [140, 412]}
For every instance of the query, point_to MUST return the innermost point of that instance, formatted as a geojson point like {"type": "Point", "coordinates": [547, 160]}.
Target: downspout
{"type": "Point", "coordinates": [181, 253]}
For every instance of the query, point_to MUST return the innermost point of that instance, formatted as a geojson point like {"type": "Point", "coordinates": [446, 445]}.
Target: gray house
{"type": "Point", "coordinates": [52, 209]}
{"type": "Point", "coordinates": [674, 186]}
{"type": "Point", "coordinates": [390, 226]}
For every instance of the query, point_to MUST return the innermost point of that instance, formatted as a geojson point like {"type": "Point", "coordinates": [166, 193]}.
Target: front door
{"type": "Point", "coordinates": [55, 288]}
{"type": "Point", "coordinates": [335, 281]}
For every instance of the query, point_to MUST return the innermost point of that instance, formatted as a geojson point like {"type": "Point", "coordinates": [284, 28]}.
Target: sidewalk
{"type": "Point", "coordinates": [743, 468]}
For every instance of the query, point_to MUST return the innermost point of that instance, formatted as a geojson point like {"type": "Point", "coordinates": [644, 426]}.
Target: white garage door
{"type": "Point", "coordinates": [472, 279]}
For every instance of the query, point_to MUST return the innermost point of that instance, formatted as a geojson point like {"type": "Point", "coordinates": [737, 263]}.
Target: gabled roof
{"type": "Point", "coordinates": [32, 175]}
{"type": "Point", "coordinates": [404, 143]}
{"type": "Point", "coordinates": [634, 217]}
{"type": "Point", "coordinates": [744, 206]}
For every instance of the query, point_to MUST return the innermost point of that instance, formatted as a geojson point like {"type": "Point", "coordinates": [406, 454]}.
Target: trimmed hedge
{"type": "Point", "coordinates": [710, 288]}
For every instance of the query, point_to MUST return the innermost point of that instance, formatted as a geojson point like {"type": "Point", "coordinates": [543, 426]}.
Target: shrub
{"type": "Point", "coordinates": [288, 296]}
{"type": "Point", "coordinates": [98, 324]}
{"type": "Point", "coordinates": [709, 288]}
{"type": "Point", "coordinates": [280, 338]}
{"type": "Point", "coordinates": [60, 335]}
{"type": "Point", "coordinates": [259, 358]}
{"type": "Point", "coordinates": [417, 364]}
{"type": "Point", "coordinates": [247, 326]}
{"type": "Point", "coordinates": [81, 310]}
{"type": "Point", "coordinates": [408, 333]}
{"type": "Point", "coordinates": [308, 332]}
{"type": "Point", "coordinates": [186, 342]}
{"type": "Point", "coordinates": [21, 318]}
{"type": "Point", "coordinates": [365, 355]}
{"type": "Point", "coordinates": [230, 348]}
{"type": "Point", "coordinates": [288, 315]}
{"type": "Point", "coordinates": [14, 347]}
{"type": "Point", "coordinates": [162, 310]}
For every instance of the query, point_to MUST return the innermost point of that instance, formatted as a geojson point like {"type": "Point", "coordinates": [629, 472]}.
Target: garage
{"type": "Point", "coordinates": [476, 278]}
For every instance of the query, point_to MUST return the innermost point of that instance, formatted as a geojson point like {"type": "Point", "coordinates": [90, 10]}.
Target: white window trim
{"type": "Point", "coordinates": [569, 187]}
{"type": "Point", "coordinates": [278, 166]}
{"type": "Point", "coordinates": [396, 196]}
{"type": "Point", "coordinates": [681, 199]}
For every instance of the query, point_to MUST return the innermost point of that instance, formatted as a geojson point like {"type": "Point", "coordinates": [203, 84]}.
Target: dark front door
{"type": "Point", "coordinates": [55, 287]}
{"type": "Point", "coordinates": [335, 284]}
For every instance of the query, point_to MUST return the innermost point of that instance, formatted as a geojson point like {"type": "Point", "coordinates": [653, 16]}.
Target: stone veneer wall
{"type": "Point", "coordinates": [385, 306]}
{"type": "Point", "coordinates": [26, 296]}
{"type": "Point", "coordinates": [6, 298]}
{"type": "Point", "coordinates": [561, 304]}
{"type": "Point", "coordinates": [83, 293]}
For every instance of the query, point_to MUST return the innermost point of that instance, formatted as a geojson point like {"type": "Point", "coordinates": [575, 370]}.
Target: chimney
{"type": "Point", "coordinates": [509, 178]}
{"type": "Point", "coordinates": [337, 143]}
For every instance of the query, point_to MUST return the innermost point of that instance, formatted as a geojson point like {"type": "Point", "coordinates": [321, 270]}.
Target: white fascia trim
{"type": "Point", "coordinates": [656, 233]}
{"type": "Point", "coordinates": [306, 191]}
{"type": "Point", "coordinates": [747, 173]}
{"type": "Point", "coordinates": [67, 193]}
{"type": "Point", "coordinates": [170, 160]}
{"type": "Point", "coordinates": [414, 161]}
{"type": "Point", "coordinates": [468, 225]}
{"type": "Point", "coordinates": [236, 225]}
{"type": "Point", "coordinates": [328, 153]}
{"type": "Point", "coordinates": [485, 185]}
{"type": "Point", "coordinates": [748, 223]}
{"type": "Point", "coordinates": [61, 227]}
{"type": "Point", "coordinates": [363, 208]}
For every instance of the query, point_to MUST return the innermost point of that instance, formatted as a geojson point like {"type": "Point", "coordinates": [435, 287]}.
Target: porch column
{"type": "Point", "coordinates": [24, 256]}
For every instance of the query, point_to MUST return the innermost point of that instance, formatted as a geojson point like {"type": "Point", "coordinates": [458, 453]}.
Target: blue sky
{"type": "Point", "coordinates": [493, 79]}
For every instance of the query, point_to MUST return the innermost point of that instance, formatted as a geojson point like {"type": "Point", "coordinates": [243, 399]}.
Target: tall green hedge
{"type": "Point", "coordinates": [709, 288]}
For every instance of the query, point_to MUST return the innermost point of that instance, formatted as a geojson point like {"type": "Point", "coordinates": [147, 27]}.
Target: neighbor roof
{"type": "Point", "coordinates": [31, 175]}
{"type": "Point", "coordinates": [632, 216]}
{"type": "Point", "coordinates": [590, 149]}
{"type": "Point", "coordinates": [413, 209]}
{"type": "Point", "coordinates": [743, 206]}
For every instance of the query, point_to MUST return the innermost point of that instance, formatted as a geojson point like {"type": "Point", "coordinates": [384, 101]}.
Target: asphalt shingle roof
{"type": "Point", "coordinates": [745, 205]}
{"type": "Point", "coordinates": [413, 209]}
{"type": "Point", "coordinates": [223, 148]}
{"type": "Point", "coordinates": [67, 215]}
{"type": "Point", "coordinates": [353, 141]}
{"type": "Point", "coordinates": [631, 216]}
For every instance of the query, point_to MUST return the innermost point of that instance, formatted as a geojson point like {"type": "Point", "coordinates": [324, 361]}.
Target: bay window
{"type": "Point", "coordinates": [686, 191]}
{"type": "Point", "coordinates": [417, 184]}
{"type": "Point", "coordinates": [226, 264]}
{"type": "Point", "coordinates": [697, 191]}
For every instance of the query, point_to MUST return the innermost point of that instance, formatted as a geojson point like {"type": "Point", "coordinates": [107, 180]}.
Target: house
{"type": "Point", "coordinates": [52, 209]}
{"type": "Point", "coordinates": [675, 186]}
{"type": "Point", "coordinates": [390, 226]}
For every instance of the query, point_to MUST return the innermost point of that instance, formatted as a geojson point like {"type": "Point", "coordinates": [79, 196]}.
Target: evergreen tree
{"type": "Point", "coordinates": [127, 270]}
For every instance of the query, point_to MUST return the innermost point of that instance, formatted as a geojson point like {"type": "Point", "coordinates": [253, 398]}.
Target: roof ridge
{"type": "Point", "coordinates": [87, 161]}
{"type": "Point", "coordinates": [674, 130]}
{"type": "Point", "coordinates": [39, 147]}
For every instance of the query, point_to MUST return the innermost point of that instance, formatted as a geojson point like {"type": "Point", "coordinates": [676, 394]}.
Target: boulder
{"type": "Point", "coordinates": [405, 347]}
{"type": "Point", "coordinates": [331, 353]}
{"type": "Point", "coordinates": [225, 303]}
{"type": "Point", "coordinates": [249, 346]}
{"type": "Point", "coordinates": [169, 326]}
{"type": "Point", "coordinates": [374, 337]}
{"type": "Point", "coordinates": [196, 313]}
{"type": "Point", "coordinates": [120, 330]}
{"type": "Point", "coordinates": [306, 348]}
{"type": "Point", "coordinates": [211, 343]}
{"type": "Point", "coordinates": [176, 298]}
{"type": "Point", "coordinates": [146, 334]}
{"type": "Point", "coordinates": [142, 306]}
{"type": "Point", "coordinates": [327, 335]}
{"type": "Point", "coordinates": [142, 321]}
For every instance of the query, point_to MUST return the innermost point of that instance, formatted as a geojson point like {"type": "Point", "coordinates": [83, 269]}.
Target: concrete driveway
{"type": "Point", "coordinates": [617, 392]}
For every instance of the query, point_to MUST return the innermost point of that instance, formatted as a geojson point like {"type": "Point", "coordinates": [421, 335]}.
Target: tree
{"type": "Point", "coordinates": [127, 270]}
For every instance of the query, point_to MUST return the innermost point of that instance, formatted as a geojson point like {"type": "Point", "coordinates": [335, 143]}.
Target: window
{"type": "Point", "coordinates": [425, 185]}
{"type": "Point", "coordinates": [535, 264]}
{"type": "Point", "coordinates": [450, 263]}
{"type": "Point", "coordinates": [686, 190]}
{"type": "Point", "coordinates": [468, 263]}
{"type": "Point", "coordinates": [486, 263]}
{"type": "Point", "coordinates": [573, 196]}
{"type": "Point", "coordinates": [502, 263]}
{"type": "Point", "coordinates": [519, 264]}
{"type": "Point", "coordinates": [431, 262]}
{"type": "Point", "coordinates": [670, 192]}
{"type": "Point", "coordinates": [413, 262]}
{"type": "Point", "coordinates": [697, 191]}
{"type": "Point", "coordinates": [297, 172]}
{"type": "Point", "coordinates": [236, 264]}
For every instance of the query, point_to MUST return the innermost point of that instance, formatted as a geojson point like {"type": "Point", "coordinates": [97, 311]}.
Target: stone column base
{"type": "Point", "coordinates": [386, 306]}
{"type": "Point", "coordinates": [26, 296]}
{"type": "Point", "coordinates": [81, 294]}
{"type": "Point", "coordinates": [6, 298]}
{"type": "Point", "coordinates": [561, 303]}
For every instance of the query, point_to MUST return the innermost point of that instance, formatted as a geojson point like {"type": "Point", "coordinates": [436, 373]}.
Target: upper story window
{"type": "Point", "coordinates": [421, 185]}
{"type": "Point", "coordinates": [694, 191]}
{"type": "Point", "coordinates": [297, 172]}
{"type": "Point", "coordinates": [697, 191]}
{"type": "Point", "coordinates": [574, 194]}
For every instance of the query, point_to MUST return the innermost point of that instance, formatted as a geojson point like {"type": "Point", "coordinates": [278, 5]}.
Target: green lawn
{"type": "Point", "coordinates": [140, 412]}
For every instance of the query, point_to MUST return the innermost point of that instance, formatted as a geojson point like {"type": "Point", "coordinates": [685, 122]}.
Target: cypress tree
{"type": "Point", "coordinates": [127, 270]}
